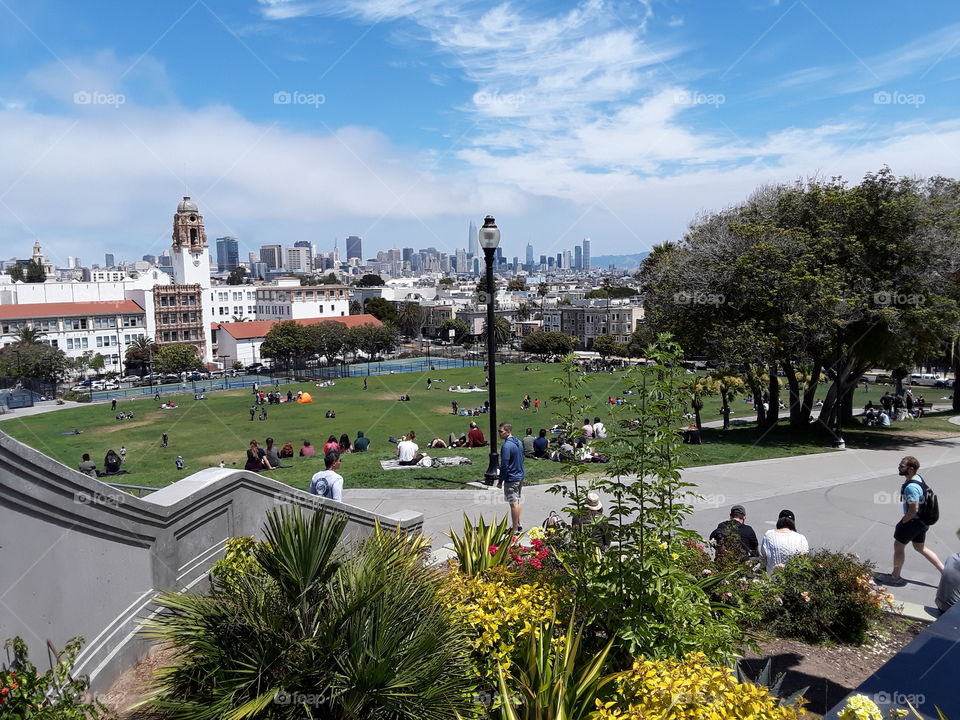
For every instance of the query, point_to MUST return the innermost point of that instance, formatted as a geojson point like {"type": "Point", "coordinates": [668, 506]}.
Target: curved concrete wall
{"type": "Point", "coordinates": [79, 558]}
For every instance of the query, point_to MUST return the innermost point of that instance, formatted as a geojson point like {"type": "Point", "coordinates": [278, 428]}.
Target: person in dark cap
{"type": "Point", "coordinates": [734, 537]}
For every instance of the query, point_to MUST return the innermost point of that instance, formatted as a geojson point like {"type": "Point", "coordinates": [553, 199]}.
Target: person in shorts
{"type": "Point", "coordinates": [910, 529]}
{"type": "Point", "coordinates": [511, 473]}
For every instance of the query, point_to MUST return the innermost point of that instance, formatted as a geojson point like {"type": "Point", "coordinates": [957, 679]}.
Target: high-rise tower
{"type": "Point", "coordinates": [473, 240]}
{"type": "Point", "coordinates": [191, 267]}
{"type": "Point", "coordinates": [586, 254]}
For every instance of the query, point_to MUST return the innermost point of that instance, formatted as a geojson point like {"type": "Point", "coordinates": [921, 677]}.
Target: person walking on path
{"type": "Point", "coordinates": [328, 483]}
{"type": "Point", "coordinates": [511, 473]}
{"type": "Point", "coordinates": [113, 405]}
{"type": "Point", "coordinates": [253, 411]}
{"type": "Point", "coordinates": [910, 529]}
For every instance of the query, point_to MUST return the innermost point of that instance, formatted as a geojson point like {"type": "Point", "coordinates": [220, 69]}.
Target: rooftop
{"type": "Point", "coordinates": [29, 311]}
{"type": "Point", "coordinates": [260, 328]}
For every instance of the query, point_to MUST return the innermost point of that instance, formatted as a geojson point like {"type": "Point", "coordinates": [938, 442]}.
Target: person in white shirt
{"type": "Point", "coordinates": [408, 452]}
{"type": "Point", "coordinates": [599, 429]}
{"type": "Point", "coordinates": [783, 543]}
{"type": "Point", "coordinates": [328, 483]}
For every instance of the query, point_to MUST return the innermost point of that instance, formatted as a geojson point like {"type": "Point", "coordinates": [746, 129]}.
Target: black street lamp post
{"type": "Point", "coordinates": [489, 240]}
{"type": "Point", "coordinates": [838, 442]}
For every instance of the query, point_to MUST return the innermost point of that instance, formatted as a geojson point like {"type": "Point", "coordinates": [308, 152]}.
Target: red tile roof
{"type": "Point", "coordinates": [260, 328]}
{"type": "Point", "coordinates": [30, 311]}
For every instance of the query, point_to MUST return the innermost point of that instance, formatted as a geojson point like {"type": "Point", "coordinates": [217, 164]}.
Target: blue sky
{"type": "Point", "coordinates": [402, 120]}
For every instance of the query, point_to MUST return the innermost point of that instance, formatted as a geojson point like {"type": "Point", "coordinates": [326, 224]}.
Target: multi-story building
{"type": "Point", "coordinates": [529, 257]}
{"type": "Point", "coordinates": [587, 262]}
{"type": "Point", "coordinates": [289, 300]}
{"type": "Point", "coordinates": [473, 240]}
{"type": "Point", "coordinates": [354, 247]}
{"type": "Point", "coordinates": [228, 253]}
{"type": "Point", "coordinates": [104, 327]}
{"type": "Point", "coordinates": [586, 320]}
{"type": "Point", "coordinates": [577, 257]}
{"type": "Point", "coordinates": [108, 260]}
{"type": "Point", "coordinates": [178, 316]}
{"type": "Point", "coordinates": [233, 303]}
{"type": "Point", "coordinates": [191, 273]}
{"type": "Point", "coordinates": [299, 260]}
{"type": "Point", "coordinates": [271, 255]}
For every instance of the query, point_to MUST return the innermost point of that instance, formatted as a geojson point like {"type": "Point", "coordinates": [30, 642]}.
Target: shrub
{"type": "Point", "coordinates": [501, 612]}
{"type": "Point", "coordinates": [688, 689]}
{"type": "Point", "coordinates": [77, 397]}
{"type": "Point", "coordinates": [237, 561]}
{"type": "Point", "coordinates": [318, 632]}
{"type": "Point", "coordinates": [54, 695]}
{"type": "Point", "coordinates": [824, 597]}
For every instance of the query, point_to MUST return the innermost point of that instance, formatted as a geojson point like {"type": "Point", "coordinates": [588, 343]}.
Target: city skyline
{"type": "Point", "coordinates": [400, 121]}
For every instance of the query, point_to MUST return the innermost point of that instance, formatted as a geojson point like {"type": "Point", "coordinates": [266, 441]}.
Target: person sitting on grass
{"type": "Point", "coordinates": [307, 450]}
{"type": "Point", "coordinates": [454, 440]}
{"type": "Point", "coordinates": [87, 466]}
{"type": "Point", "coordinates": [436, 443]}
{"type": "Point", "coordinates": [331, 445]}
{"type": "Point", "coordinates": [111, 462]}
{"type": "Point", "coordinates": [541, 445]}
{"type": "Point", "coordinates": [344, 444]}
{"type": "Point", "coordinates": [528, 441]}
{"type": "Point", "coordinates": [272, 452]}
{"type": "Point", "coordinates": [287, 450]}
{"type": "Point", "coordinates": [475, 436]}
{"type": "Point", "coordinates": [361, 443]}
{"type": "Point", "coordinates": [408, 452]}
{"type": "Point", "coordinates": [256, 458]}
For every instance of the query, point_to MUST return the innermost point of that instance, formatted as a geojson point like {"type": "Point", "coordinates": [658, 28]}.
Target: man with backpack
{"type": "Point", "coordinates": [328, 483]}
{"type": "Point", "coordinates": [920, 511]}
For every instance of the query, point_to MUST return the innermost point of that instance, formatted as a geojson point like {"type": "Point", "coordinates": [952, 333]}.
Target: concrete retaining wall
{"type": "Point", "coordinates": [79, 558]}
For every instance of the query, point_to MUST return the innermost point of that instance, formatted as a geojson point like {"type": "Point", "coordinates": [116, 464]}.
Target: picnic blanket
{"type": "Point", "coordinates": [469, 390]}
{"type": "Point", "coordinates": [452, 461]}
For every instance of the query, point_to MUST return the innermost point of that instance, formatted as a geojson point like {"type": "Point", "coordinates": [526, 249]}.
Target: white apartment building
{"type": "Point", "coordinates": [233, 303]}
{"type": "Point", "coordinates": [289, 300]}
{"type": "Point", "coordinates": [104, 327]}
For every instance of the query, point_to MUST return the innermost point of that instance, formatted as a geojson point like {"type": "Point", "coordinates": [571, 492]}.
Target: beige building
{"type": "Point", "coordinates": [586, 320]}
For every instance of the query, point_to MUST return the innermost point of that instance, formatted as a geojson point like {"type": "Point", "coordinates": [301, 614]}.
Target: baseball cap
{"type": "Point", "coordinates": [738, 510]}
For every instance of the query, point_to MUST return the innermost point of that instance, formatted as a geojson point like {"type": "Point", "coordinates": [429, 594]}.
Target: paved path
{"type": "Point", "coordinates": [844, 500]}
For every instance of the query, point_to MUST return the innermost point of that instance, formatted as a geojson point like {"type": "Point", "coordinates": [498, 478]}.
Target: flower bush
{"type": "Point", "coordinates": [237, 561]}
{"type": "Point", "coordinates": [501, 611]}
{"type": "Point", "coordinates": [26, 694]}
{"type": "Point", "coordinates": [688, 689]}
{"type": "Point", "coordinates": [824, 597]}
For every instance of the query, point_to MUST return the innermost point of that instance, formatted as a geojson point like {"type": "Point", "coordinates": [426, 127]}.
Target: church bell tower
{"type": "Point", "coordinates": [191, 255]}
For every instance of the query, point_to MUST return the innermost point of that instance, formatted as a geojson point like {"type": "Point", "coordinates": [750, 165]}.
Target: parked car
{"type": "Point", "coordinates": [170, 378]}
{"type": "Point", "coordinates": [130, 378]}
{"type": "Point", "coordinates": [947, 383]}
{"type": "Point", "coordinates": [80, 388]}
{"type": "Point", "coordinates": [105, 385]}
{"type": "Point", "coordinates": [925, 379]}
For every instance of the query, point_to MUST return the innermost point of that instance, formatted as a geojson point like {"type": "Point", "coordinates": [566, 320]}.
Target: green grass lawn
{"type": "Point", "coordinates": [219, 428]}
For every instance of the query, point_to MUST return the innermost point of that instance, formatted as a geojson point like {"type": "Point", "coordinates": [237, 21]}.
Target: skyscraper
{"type": "Point", "coordinates": [152, 259]}
{"type": "Point", "coordinates": [228, 253]}
{"type": "Point", "coordinates": [586, 254]}
{"type": "Point", "coordinates": [108, 260]}
{"type": "Point", "coordinates": [461, 260]}
{"type": "Point", "coordinates": [577, 257]}
{"type": "Point", "coordinates": [271, 255]}
{"type": "Point", "coordinates": [299, 259]}
{"type": "Point", "coordinates": [529, 254]}
{"type": "Point", "coordinates": [567, 260]}
{"type": "Point", "coordinates": [473, 240]}
{"type": "Point", "coordinates": [354, 247]}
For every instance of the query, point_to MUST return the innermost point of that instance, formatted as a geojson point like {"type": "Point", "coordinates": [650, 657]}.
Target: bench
{"type": "Point", "coordinates": [923, 407]}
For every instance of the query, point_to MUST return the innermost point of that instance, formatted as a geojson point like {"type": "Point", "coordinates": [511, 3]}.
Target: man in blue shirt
{"type": "Point", "coordinates": [511, 473]}
{"type": "Point", "coordinates": [910, 529]}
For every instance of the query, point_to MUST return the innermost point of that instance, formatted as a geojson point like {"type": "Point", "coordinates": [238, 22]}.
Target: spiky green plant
{"type": "Point", "coordinates": [318, 632]}
{"type": "Point", "coordinates": [473, 546]}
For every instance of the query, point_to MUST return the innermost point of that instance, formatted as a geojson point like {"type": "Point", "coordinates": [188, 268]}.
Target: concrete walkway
{"type": "Point", "coordinates": [843, 500]}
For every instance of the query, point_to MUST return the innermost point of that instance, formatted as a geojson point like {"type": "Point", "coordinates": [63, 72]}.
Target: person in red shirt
{"type": "Point", "coordinates": [475, 436]}
{"type": "Point", "coordinates": [331, 445]}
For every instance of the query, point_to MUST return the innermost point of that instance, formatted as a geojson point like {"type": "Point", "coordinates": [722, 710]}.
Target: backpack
{"type": "Point", "coordinates": [928, 510]}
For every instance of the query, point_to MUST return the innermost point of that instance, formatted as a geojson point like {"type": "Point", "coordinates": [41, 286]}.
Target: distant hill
{"type": "Point", "coordinates": [627, 262]}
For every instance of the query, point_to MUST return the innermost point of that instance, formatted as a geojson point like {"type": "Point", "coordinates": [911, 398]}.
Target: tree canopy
{"type": "Point", "coordinates": [370, 280]}
{"type": "Point", "coordinates": [237, 276]}
{"type": "Point", "coordinates": [382, 310]}
{"type": "Point", "coordinates": [546, 343]}
{"type": "Point", "coordinates": [177, 358]}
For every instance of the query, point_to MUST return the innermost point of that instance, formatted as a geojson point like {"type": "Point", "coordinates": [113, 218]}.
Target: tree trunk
{"type": "Point", "coordinates": [725, 406]}
{"type": "Point", "coordinates": [810, 394]}
{"type": "Point", "coordinates": [794, 388]}
{"type": "Point", "coordinates": [754, 384]}
{"type": "Point", "coordinates": [773, 390]}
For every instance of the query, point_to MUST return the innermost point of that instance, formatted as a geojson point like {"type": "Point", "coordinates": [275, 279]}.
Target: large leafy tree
{"type": "Point", "coordinates": [327, 339]}
{"type": "Point", "coordinates": [177, 358]}
{"type": "Point", "coordinates": [36, 361]}
{"type": "Point", "coordinates": [547, 343]}
{"type": "Point", "coordinates": [382, 310]}
{"type": "Point", "coordinates": [237, 276]}
{"type": "Point", "coordinates": [370, 280]}
{"type": "Point", "coordinates": [29, 335]}
{"type": "Point", "coordinates": [517, 285]}
{"type": "Point", "coordinates": [459, 327]}
{"type": "Point", "coordinates": [502, 331]}
{"type": "Point", "coordinates": [287, 342]}
{"type": "Point", "coordinates": [606, 345]}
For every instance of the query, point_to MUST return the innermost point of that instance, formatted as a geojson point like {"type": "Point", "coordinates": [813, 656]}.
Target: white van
{"type": "Point", "coordinates": [928, 379]}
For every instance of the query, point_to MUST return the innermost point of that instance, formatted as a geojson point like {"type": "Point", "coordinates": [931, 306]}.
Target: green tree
{"type": "Point", "coordinates": [36, 361]}
{"type": "Point", "coordinates": [546, 344]}
{"type": "Point", "coordinates": [365, 632]}
{"type": "Point", "coordinates": [177, 358]}
{"type": "Point", "coordinates": [517, 285]}
{"type": "Point", "coordinates": [16, 273]}
{"type": "Point", "coordinates": [237, 276]}
{"type": "Point", "coordinates": [139, 352]}
{"type": "Point", "coordinates": [410, 319]}
{"type": "Point", "coordinates": [356, 308]}
{"type": "Point", "coordinates": [327, 339]}
{"type": "Point", "coordinates": [29, 335]}
{"type": "Point", "coordinates": [446, 281]}
{"type": "Point", "coordinates": [503, 331]}
{"type": "Point", "coordinates": [97, 364]}
{"type": "Point", "coordinates": [606, 345]}
{"type": "Point", "coordinates": [382, 310]}
{"type": "Point", "coordinates": [612, 291]}
{"type": "Point", "coordinates": [370, 280]}
{"type": "Point", "coordinates": [35, 273]}
{"type": "Point", "coordinates": [287, 342]}
{"type": "Point", "coordinates": [459, 327]}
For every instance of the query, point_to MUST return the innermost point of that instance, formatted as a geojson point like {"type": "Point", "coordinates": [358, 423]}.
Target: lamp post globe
{"type": "Point", "coordinates": [489, 238]}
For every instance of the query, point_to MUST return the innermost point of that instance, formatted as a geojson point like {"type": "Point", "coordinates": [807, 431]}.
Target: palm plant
{"type": "Point", "coordinates": [29, 335]}
{"type": "Point", "coordinates": [317, 632]}
{"type": "Point", "coordinates": [502, 330]}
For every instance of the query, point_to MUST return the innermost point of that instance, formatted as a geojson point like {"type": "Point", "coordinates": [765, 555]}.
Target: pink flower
{"type": "Point", "coordinates": [493, 549]}
{"type": "Point", "coordinates": [536, 563]}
